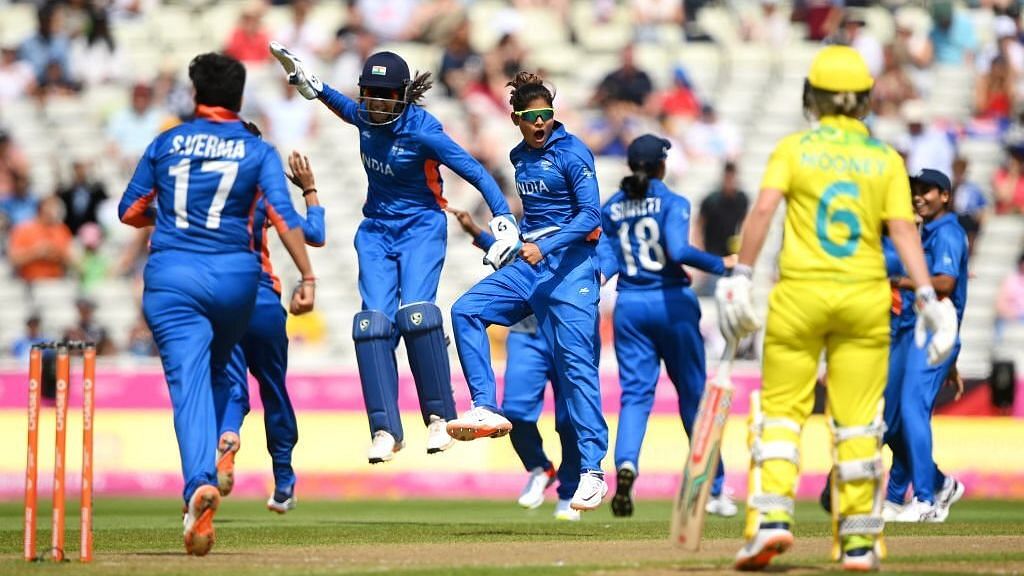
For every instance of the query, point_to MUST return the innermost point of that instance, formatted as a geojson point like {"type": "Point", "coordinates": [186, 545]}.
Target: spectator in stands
{"type": "Point", "coordinates": [353, 44]}
{"type": "Point", "coordinates": [81, 197]}
{"type": "Point", "coordinates": [892, 87]}
{"type": "Point", "coordinates": [55, 83]}
{"type": "Point", "coordinates": [21, 206]}
{"type": "Point", "coordinates": [287, 121]}
{"type": "Point", "coordinates": [969, 202]}
{"type": "Point", "coordinates": [50, 44]}
{"type": "Point", "coordinates": [13, 163]}
{"type": "Point", "coordinates": [821, 16]}
{"type": "Point", "coordinates": [17, 79]}
{"type": "Point", "coordinates": [1010, 300]}
{"type": "Point", "coordinates": [388, 20]}
{"type": "Point", "coordinates": [41, 248]}
{"type": "Point", "coordinates": [21, 347]}
{"type": "Point", "coordinates": [719, 220]}
{"type": "Point", "coordinates": [995, 91]}
{"type": "Point", "coordinates": [712, 138]}
{"type": "Point", "coordinates": [854, 34]}
{"type": "Point", "coordinates": [93, 265]}
{"type": "Point", "coordinates": [459, 61]}
{"type": "Point", "coordinates": [609, 133]}
{"type": "Point", "coordinates": [88, 330]}
{"type": "Point", "coordinates": [140, 340]}
{"type": "Point", "coordinates": [173, 95]}
{"type": "Point", "coordinates": [505, 61]}
{"type": "Point", "coordinates": [1008, 181]}
{"type": "Point", "coordinates": [1005, 44]}
{"type": "Point", "coordinates": [680, 100]}
{"type": "Point", "coordinates": [626, 84]}
{"type": "Point", "coordinates": [302, 34]}
{"type": "Point", "coordinates": [132, 129]}
{"type": "Point", "coordinates": [648, 16]}
{"type": "Point", "coordinates": [770, 27]}
{"type": "Point", "coordinates": [248, 41]}
{"type": "Point", "coordinates": [924, 146]}
{"type": "Point", "coordinates": [952, 36]}
{"type": "Point", "coordinates": [95, 56]}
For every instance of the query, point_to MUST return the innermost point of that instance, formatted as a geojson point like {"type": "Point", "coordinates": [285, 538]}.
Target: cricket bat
{"type": "Point", "coordinates": [702, 462]}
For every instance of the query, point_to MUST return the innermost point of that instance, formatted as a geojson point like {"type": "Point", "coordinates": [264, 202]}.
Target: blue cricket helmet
{"type": "Point", "coordinates": [385, 70]}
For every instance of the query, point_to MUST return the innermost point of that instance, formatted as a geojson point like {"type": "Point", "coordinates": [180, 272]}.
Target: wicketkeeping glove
{"type": "Point", "coordinates": [936, 318]}
{"type": "Point", "coordinates": [736, 317]}
{"type": "Point", "coordinates": [506, 241]}
{"type": "Point", "coordinates": [304, 81]}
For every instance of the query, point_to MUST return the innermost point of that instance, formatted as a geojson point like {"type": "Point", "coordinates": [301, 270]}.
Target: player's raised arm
{"type": "Point", "coordinates": [301, 175]}
{"type": "Point", "coordinates": [311, 87]}
{"type": "Point", "coordinates": [677, 240]}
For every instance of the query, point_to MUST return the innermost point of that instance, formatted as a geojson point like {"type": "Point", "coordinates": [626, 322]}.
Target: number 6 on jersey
{"type": "Point", "coordinates": [702, 462]}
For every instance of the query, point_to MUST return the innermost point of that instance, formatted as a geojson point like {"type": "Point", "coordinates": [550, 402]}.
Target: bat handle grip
{"type": "Point", "coordinates": [725, 366]}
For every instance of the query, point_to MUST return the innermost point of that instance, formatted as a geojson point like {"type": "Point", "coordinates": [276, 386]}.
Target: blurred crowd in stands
{"type": "Point", "coordinates": [60, 233]}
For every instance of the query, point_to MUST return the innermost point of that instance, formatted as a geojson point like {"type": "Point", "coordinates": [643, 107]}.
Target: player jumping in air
{"type": "Point", "coordinates": [646, 242]}
{"type": "Point", "coordinates": [840, 186]}
{"type": "Point", "coordinates": [264, 352]}
{"type": "Point", "coordinates": [401, 242]}
{"type": "Point", "coordinates": [201, 279]}
{"type": "Point", "coordinates": [913, 383]}
{"type": "Point", "coordinates": [528, 369]}
{"type": "Point", "coordinates": [555, 278]}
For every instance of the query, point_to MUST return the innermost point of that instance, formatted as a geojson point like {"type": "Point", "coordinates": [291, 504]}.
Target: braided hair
{"type": "Point", "coordinates": [418, 87]}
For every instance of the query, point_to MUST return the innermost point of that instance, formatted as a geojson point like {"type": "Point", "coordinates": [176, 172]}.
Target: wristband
{"type": "Point", "coordinates": [308, 191]}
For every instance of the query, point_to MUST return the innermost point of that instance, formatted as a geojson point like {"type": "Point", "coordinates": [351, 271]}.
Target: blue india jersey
{"type": "Point", "coordinates": [558, 187]}
{"type": "Point", "coordinates": [199, 182]}
{"type": "Point", "coordinates": [945, 251]}
{"type": "Point", "coordinates": [646, 240]}
{"type": "Point", "coordinates": [402, 161]}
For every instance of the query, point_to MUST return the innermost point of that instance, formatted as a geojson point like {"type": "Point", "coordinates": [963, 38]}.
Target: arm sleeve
{"type": "Point", "coordinates": [313, 227]}
{"type": "Point", "coordinates": [677, 241]}
{"type": "Point", "coordinates": [280, 210]}
{"type": "Point", "coordinates": [583, 185]}
{"type": "Point", "coordinates": [136, 206]}
{"type": "Point", "coordinates": [897, 193]}
{"type": "Point", "coordinates": [484, 240]}
{"type": "Point", "coordinates": [607, 259]}
{"type": "Point", "coordinates": [462, 163]}
{"type": "Point", "coordinates": [343, 106]}
{"type": "Point", "coordinates": [947, 252]}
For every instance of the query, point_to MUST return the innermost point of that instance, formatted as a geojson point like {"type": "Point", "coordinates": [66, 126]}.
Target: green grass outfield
{"type": "Point", "coordinates": [482, 537]}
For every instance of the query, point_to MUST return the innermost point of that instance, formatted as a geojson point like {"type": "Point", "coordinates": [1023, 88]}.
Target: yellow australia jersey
{"type": "Point", "coordinates": [840, 186]}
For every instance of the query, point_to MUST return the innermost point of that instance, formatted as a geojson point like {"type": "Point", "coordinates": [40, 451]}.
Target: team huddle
{"type": "Point", "coordinates": [212, 188]}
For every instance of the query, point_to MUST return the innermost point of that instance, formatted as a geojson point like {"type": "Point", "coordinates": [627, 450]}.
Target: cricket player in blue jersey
{"type": "Point", "coordinates": [528, 369]}
{"type": "Point", "coordinates": [657, 318]}
{"type": "Point", "coordinates": [263, 351]}
{"type": "Point", "coordinates": [200, 283]}
{"type": "Point", "coordinates": [555, 278]}
{"type": "Point", "coordinates": [913, 384]}
{"type": "Point", "coordinates": [401, 243]}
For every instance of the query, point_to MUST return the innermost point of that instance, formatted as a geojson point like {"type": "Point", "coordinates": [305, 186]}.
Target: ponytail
{"type": "Point", "coordinates": [526, 86]}
{"type": "Point", "coordinates": [419, 85]}
{"type": "Point", "coordinates": [636, 184]}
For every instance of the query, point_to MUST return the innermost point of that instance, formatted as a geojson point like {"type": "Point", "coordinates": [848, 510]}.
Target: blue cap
{"type": "Point", "coordinates": [647, 149]}
{"type": "Point", "coordinates": [933, 179]}
{"type": "Point", "coordinates": [384, 70]}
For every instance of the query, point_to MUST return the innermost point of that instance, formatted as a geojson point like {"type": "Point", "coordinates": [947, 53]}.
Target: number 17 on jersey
{"type": "Point", "coordinates": [702, 462]}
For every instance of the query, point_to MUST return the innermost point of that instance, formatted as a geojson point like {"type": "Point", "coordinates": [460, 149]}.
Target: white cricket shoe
{"type": "Point", "coordinates": [383, 447]}
{"type": "Point", "coordinates": [951, 493]}
{"type": "Point", "coordinates": [532, 495]}
{"type": "Point", "coordinates": [891, 511]}
{"type": "Point", "coordinates": [564, 511]}
{"type": "Point", "coordinates": [438, 439]}
{"type": "Point", "coordinates": [479, 422]}
{"type": "Point", "coordinates": [590, 492]}
{"type": "Point", "coordinates": [721, 505]}
{"type": "Point", "coordinates": [860, 560]}
{"type": "Point", "coordinates": [771, 539]}
{"type": "Point", "coordinates": [918, 511]}
{"type": "Point", "coordinates": [281, 502]}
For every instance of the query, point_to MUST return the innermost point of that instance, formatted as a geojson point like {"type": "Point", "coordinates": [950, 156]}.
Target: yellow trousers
{"type": "Point", "coordinates": [850, 321]}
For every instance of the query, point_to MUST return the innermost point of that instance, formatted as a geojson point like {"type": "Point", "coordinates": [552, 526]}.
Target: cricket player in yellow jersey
{"type": "Point", "coordinates": [840, 185]}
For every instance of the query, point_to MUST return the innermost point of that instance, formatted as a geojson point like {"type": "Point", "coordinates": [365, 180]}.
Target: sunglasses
{"type": "Point", "coordinates": [531, 116]}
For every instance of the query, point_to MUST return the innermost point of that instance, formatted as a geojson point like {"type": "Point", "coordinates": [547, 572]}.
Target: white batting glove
{"type": "Point", "coordinates": [736, 317]}
{"type": "Point", "coordinates": [937, 318]}
{"type": "Point", "coordinates": [304, 81]}
{"type": "Point", "coordinates": [506, 241]}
